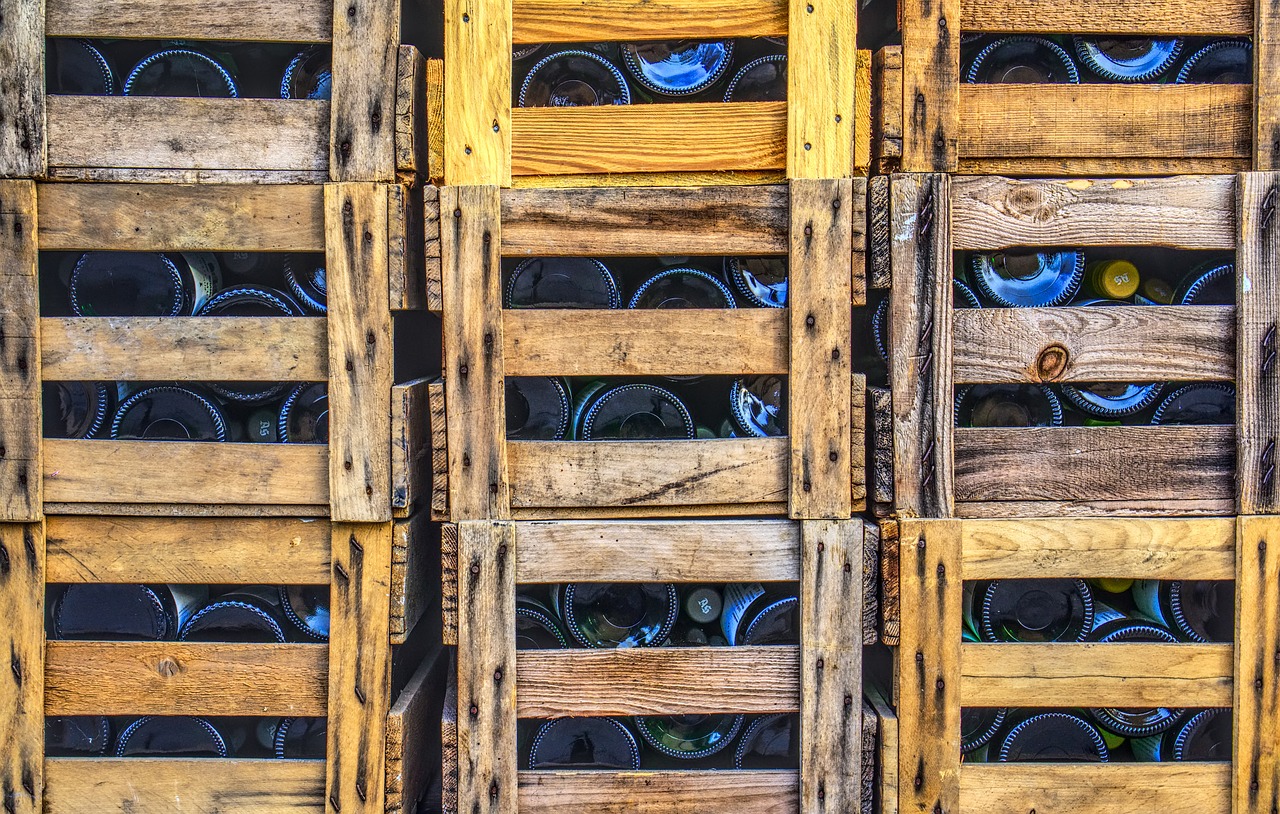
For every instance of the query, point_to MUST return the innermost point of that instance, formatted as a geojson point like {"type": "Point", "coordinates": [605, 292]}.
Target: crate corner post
{"type": "Point", "coordinates": [22, 593]}
{"type": "Point", "coordinates": [21, 478]}
{"type": "Point", "coordinates": [363, 114]}
{"type": "Point", "coordinates": [477, 92]}
{"type": "Point", "coordinates": [23, 142]}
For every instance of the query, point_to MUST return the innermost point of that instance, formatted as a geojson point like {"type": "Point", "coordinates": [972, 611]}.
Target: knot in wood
{"type": "Point", "coordinates": [1051, 363]}
{"type": "Point", "coordinates": [168, 668]}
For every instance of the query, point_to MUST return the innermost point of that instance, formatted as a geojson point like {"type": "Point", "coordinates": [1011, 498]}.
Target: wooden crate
{"type": "Point", "coordinates": [938, 675]}
{"type": "Point", "coordinates": [372, 130]}
{"type": "Point", "coordinates": [931, 121]}
{"type": "Point", "coordinates": [944, 471]}
{"type": "Point", "coordinates": [375, 467]}
{"type": "Point", "coordinates": [816, 472]}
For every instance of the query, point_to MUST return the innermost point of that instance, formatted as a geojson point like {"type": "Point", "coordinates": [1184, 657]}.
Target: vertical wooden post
{"type": "Point", "coordinates": [22, 125]}
{"type": "Point", "coordinates": [22, 684]}
{"type": "Point", "coordinates": [1257, 343]}
{"type": "Point", "coordinates": [477, 92]}
{"type": "Point", "coordinates": [831, 665]}
{"type": "Point", "coordinates": [487, 667]}
{"type": "Point", "coordinates": [821, 70]}
{"type": "Point", "coordinates": [930, 84]}
{"type": "Point", "coordinates": [1266, 85]}
{"type": "Point", "coordinates": [920, 345]}
{"type": "Point", "coordinates": [1256, 755]}
{"type": "Point", "coordinates": [21, 482]}
{"type": "Point", "coordinates": [929, 668]}
{"type": "Point", "coordinates": [362, 128]}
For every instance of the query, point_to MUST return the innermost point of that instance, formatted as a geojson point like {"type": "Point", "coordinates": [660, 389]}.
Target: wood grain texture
{"type": "Point", "coordinates": [243, 551]}
{"type": "Point", "coordinates": [77, 786]}
{"type": "Point", "coordinates": [821, 67]}
{"type": "Point", "coordinates": [858, 446]}
{"type": "Point", "coordinates": [880, 429]}
{"type": "Point", "coordinates": [765, 791]}
{"type": "Point", "coordinates": [366, 48]}
{"type": "Point", "coordinates": [449, 743]}
{"type": "Point", "coordinates": [1142, 344]}
{"type": "Point", "coordinates": [175, 510]}
{"type": "Point", "coordinates": [406, 260]}
{"type": "Point", "coordinates": [886, 104]}
{"type": "Point", "coordinates": [433, 297]}
{"type": "Point", "coordinates": [477, 92]}
{"type": "Point", "coordinates": [1097, 788]}
{"type": "Point", "coordinates": [22, 595]}
{"type": "Point", "coordinates": [657, 342]}
{"type": "Point", "coordinates": [22, 97]}
{"type": "Point", "coordinates": [439, 451]}
{"type": "Point", "coordinates": [1258, 312]}
{"type": "Point", "coordinates": [182, 678]}
{"type": "Point", "coordinates": [413, 729]}
{"type": "Point", "coordinates": [410, 447]}
{"type": "Point", "coordinates": [887, 748]}
{"type": "Point", "coordinates": [638, 180]}
{"type": "Point", "coordinates": [1229, 19]}
{"type": "Point", "coordinates": [252, 21]}
{"type": "Point", "coordinates": [434, 172]}
{"type": "Point", "coordinates": [359, 688]}
{"type": "Point", "coordinates": [819, 292]}
{"type": "Point", "coordinates": [862, 114]}
{"type": "Point", "coordinates": [151, 175]}
{"type": "Point", "coordinates": [681, 137]}
{"type": "Point", "coordinates": [414, 574]}
{"type": "Point", "coordinates": [1100, 166]}
{"type": "Point", "coordinates": [690, 510]}
{"type": "Point", "coordinates": [360, 352]}
{"type": "Point", "coordinates": [539, 21]}
{"type": "Point", "coordinates": [879, 239]}
{"type": "Point", "coordinates": [185, 471]}
{"type": "Point", "coordinates": [410, 138]}
{"type": "Point", "coordinates": [161, 133]}
{"type": "Point", "coordinates": [870, 585]}
{"type": "Point", "coordinates": [449, 583]}
{"type": "Point", "coordinates": [1189, 212]}
{"type": "Point", "coordinates": [617, 221]}
{"type": "Point", "coordinates": [931, 106]}
{"type": "Point", "coordinates": [1266, 90]}
{"type": "Point", "coordinates": [21, 427]}
{"type": "Point", "coordinates": [646, 473]}
{"type": "Point", "coordinates": [1189, 507]}
{"type": "Point", "coordinates": [890, 597]}
{"type": "Point", "coordinates": [196, 349]}
{"type": "Point", "coordinates": [1256, 715]}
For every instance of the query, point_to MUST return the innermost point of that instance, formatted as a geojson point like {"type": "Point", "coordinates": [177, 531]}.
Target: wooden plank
{"type": "Point", "coordinates": [405, 259]}
{"type": "Point", "coordinates": [1189, 213]}
{"type": "Point", "coordinates": [1097, 507]}
{"type": "Point", "coordinates": [22, 97]}
{"type": "Point", "coordinates": [449, 744]}
{"type": "Point", "coordinates": [245, 551]}
{"type": "Point", "coordinates": [684, 137]}
{"type": "Point", "coordinates": [879, 265]}
{"type": "Point", "coordinates": [881, 445]}
{"type": "Point", "coordinates": [890, 599]}
{"type": "Point", "coordinates": [1256, 715]}
{"type": "Point", "coordinates": [858, 446]}
{"type": "Point", "coordinates": [21, 430]}
{"type": "Point", "coordinates": [410, 137]}
{"type": "Point", "coordinates": [1266, 89]}
{"type": "Point", "coordinates": [931, 108]}
{"type": "Point", "coordinates": [690, 510]}
{"type": "Point", "coordinates": [1068, 463]}
{"type": "Point", "coordinates": [1101, 166]}
{"type": "Point", "coordinates": [646, 473]}
{"type": "Point", "coordinates": [181, 217]}
{"type": "Point", "coordinates": [539, 21]}
{"type": "Point", "coordinates": [185, 471]}
{"type": "Point", "coordinates": [477, 92]}
{"type": "Point", "coordinates": [151, 175]}
{"type": "Point", "coordinates": [433, 298]}
{"type": "Point", "coordinates": [486, 668]}
{"type": "Point", "coordinates": [638, 180]}
{"type": "Point", "coordinates": [414, 580]}
{"type": "Point", "coordinates": [920, 331]}
{"type": "Point", "coordinates": [473, 364]}
{"type": "Point", "coordinates": [359, 686]}
{"type": "Point", "coordinates": [1258, 312]}
{"type": "Point", "coordinates": [1097, 788]}
{"type": "Point", "coordinates": [251, 21]}
{"type": "Point", "coordinates": [862, 115]}
{"type": "Point", "coordinates": [763, 791]}
{"type": "Point", "coordinates": [449, 584]}
{"type": "Point", "coordinates": [188, 133]}
{"type": "Point", "coordinates": [175, 510]}
{"type": "Point", "coordinates": [830, 664]}
{"type": "Point", "coordinates": [887, 748]}
{"type": "Point", "coordinates": [614, 221]}
{"type": "Point", "coordinates": [818, 296]}
{"type": "Point", "coordinates": [870, 585]}
{"type": "Point", "coordinates": [77, 786]}
{"type": "Point", "coordinates": [1196, 121]}
{"type": "Point", "coordinates": [439, 452]}
{"type": "Point", "coordinates": [410, 447]}
{"type": "Point", "coordinates": [658, 681]}
{"type": "Point", "coordinates": [1143, 343]}
{"type": "Point", "coordinates": [1230, 19]}
{"type": "Point", "coordinates": [360, 352]}
{"type": "Point", "coordinates": [366, 48]}
{"type": "Point", "coordinates": [435, 122]}
{"type": "Point", "coordinates": [886, 101]}
{"type": "Point", "coordinates": [928, 679]}
{"type": "Point", "coordinates": [413, 758]}
{"type": "Point", "coordinates": [22, 594]}
{"type": "Point", "coordinates": [178, 678]}
{"type": "Point", "coordinates": [821, 43]}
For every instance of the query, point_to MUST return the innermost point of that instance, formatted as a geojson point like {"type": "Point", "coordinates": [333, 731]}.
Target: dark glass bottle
{"type": "Point", "coordinates": [247, 614]}
{"type": "Point", "coordinates": [678, 68]}
{"type": "Point", "coordinates": [300, 738]}
{"type": "Point", "coordinates": [77, 68]}
{"type": "Point", "coordinates": [1128, 59]}
{"type": "Point", "coordinates": [758, 405]}
{"type": "Point", "coordinates": [306, 608]}
{"type": "Point", "coordinates": [689, 737]}
{"type": "Point", "coordinates": [537, 626]}
{"type": "Point", "coordinates": [978, 725]}
{"type": "Point", "coordinates": [1056, 737]}
{"type": "Point", "coordinates": [180, 72]}
{"type": "Point", "coordinates": [769, 742]}
{"type": "Point", "coordinates": [1007, 405]}
{"type": "Point", "coordinates": [1203, 736]}
{"type": "Point", "coordinates": [260, 426]}
{"type": "Point", "coordinates": [538, 408]}
{"type": "Point", "coordinates": [761, 280]}
{"type": "Point", "coordinates": [702, 604]}
{"type": "Point", "coordinates": [1112, 626]}
{"type": "Point", "coordinates": [562, 282]}
{"type": "Point", "coordinates": [761, 80]}
{"type": "Point", "coordinates": [1195, 610]}
{"type": "Point", "coordinates": [754, 614]}
{"type": "Point", "coordinates": [1205, 403]}
{"type": "Point", "coordinates": [1112, 279]}
{"type": "Point", "coordinates": [1111, 400]}
{"type": "Point", "coordinates": [306, 281]}
{"type": "Point", "coordinates": [573, 78]}
{"type": "Point", "coordinates": [1033, 610]}
{"type": "Point", "coordinates": [584, 743]}
{"type": "Point", "coordinates": [630, 412]}
{"type": "Point", "coordinates": [249, 301]}
{"type": "Point", "coordinates": [1208, 284]}
{"type": "Point", "coordinates": [1022, 60]}
{"type": "Point", "coordinates": [183, 736]}
{"type": "Point", "coordinates": [1027, 279]}
{"type": "Point", "coordinates": [308, 75]}
{"type": "Point", "coordinates": [1223, 62]}
{"type": "Point", "coordinates": [169, 413]}
{"type": "Point", "coordinates": [682, 287]}
{"type": "Point", "coordinates": [77, 409]}
{"type": "Point", "coordinates": [76, 735]}
{"type": "Point", "coordinates": [304, 416]}
{"type": "Point", "coordinates": [143, 284]}
{"type": "Point", "coordinates": [117, 612]}
{"type": "Point", "coordinates": [618, 614]}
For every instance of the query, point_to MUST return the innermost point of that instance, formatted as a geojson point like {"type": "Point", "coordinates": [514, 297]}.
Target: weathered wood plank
{"type": "Point", "coordinates": [414, 582]}
{"type": "Point", "coordinates": [1100, 166]}
{"type": "Point", "coordinates": [174, 510]}
{"type": "Point", "coordinates": [366, 48]}
{"type": "Point", "coordinates": [251, 21]}
{"type": "Point", "coordinates": [413, 725]}
{"type": "Point", "coordinates": [887, 748]}
{"type": "Point", "coordinates": [821, 67]}
{"type": "Point", "coordinates": [449, 584]}
{"type": "Point", "coordinates": [435, 122]}
{"type": "Point", "coordinates": [411, 437]}
{"type": "Point", "coordinates": [1097, 788]}
{"type": "Point", "coordinates": [886, 101]}
{"type": "Point", "coordinates": [1266, 87]}
{"type": "Point", "coordinates": [862, 115]}
{"type": "Point", "coordinates": [1092, 507]}
{"type": "Point", "coordinates": [858, 443]}
{"type": "Point", "coordinates": [870, 586]}
{"type": "Point", "coordinates": [23, 138]}
{"type": "Point", "coordinates": [150, 175]}
{"type": "Point", "coordinates": [880, 242]}
{"type": "Point", "coordinates": [21, 488]}
{"type": "Point", "coordinates": [539, 21]}
{"type": "Point", "coordinates": [477, 92]}
{"type": "Point", "coordinates": [1256, 715]}
{"type": "Point", "coordinates": [433, 298]}
{"type": "Point", "coordinates": [931, 107]}
{"type": "Point", "coordinates": [637, 180]}
{"type": "Point", "coordinates": [890, 598]}
{"type": "Point", "coordinates": [439, 452]}
{"type": "Point", "coordinates": [449, 744]}
{"type": "Point", "coordinates": [880, 407]}
{"type": "Point", "coordinates": [691, 510]}
{"type": "Point", "coordinates": [22, 593]}
{"type": "Point", "coordinates": [669, 792]}
{"type": "Point", "coordinates": [1258, 311]}
{"type": "Point", "coordinates": [410, 137]}
{"type": "Point", "coordinates": [1230, 19]}
{"type": "Point", "coordinates": [406, 262]}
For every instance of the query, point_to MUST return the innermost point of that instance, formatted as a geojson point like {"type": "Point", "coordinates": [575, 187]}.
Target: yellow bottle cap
{"type": "Point", "coordinates": [1157, 290]}
{"type": "Point", "coordinates": [1113, 586]}
{"type": "Point", "coordinates": [1114, 279]}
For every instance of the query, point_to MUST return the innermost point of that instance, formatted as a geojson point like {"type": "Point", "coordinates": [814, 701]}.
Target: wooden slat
{"type": "Point", "coordinates": [657, 681]}
{"type": "Point", "coordinates": [887, 100]}
{"type": "Point", "coordinates": [414, 580]}
{"type": "Point", "coordinates": [726, 342]}
{"type": "Point", "coordinates": [406, 258]}
{"type": "Point", "coordinates": [1230, 19]}
{"type": "Point", "coordinates": [674, 551]}
{"type": "Point", "coordinates": [177, 510]}
{"type": "Point", "coordinates": [22, 97]}
{"type": "Point", "coordinates": [636, 180]}
{"type": "Point", "coordinates": [477, 92]}
{"type": "Point", "coordinates": [413, 727]}
{"type": "Point", "coordinates": [887, 748]}
{"type": "Point", "coordinates": [539, 21]}
{"type": "Point", "coordinates": [1097, 788]}
{"type": "Point", "coordinates": [1256, 713]}
{"type": "Point", "coordinates": [189, 175]}
{"type": "Point", "coordinates": [1068, 463]}
{"type": "Point", "coordinates": [197, 349]}
{"type": "Point", "coordinates": [890, 598]}
{"type": "Point", "coordinates": [668, 792]}
{"type": "Point", "coordinates": [1209, 121]}
{"type": "Point", "coordinates": [1100, 166]}
{"type": "Point", "coordinates": [1190, 212]}
{"type": "Point", "coordinates": [691, 510]}
{"type": "Point", "coordinates": [1266, 87]}
{"type": "Point", "coordinates": [449, 743]}
{"type": "Point", "coordinates": [880, 407]}
{"type": "Point", "coordinates": [880, 243]}
{"type": "Point", "coordinates": [366, 48]}
{"type": "Point", "coordinates": [1097, 507]}
{"type": "Point", "coordinates": [859, 407]}
{"type": "Point", "coordinates": [433, 297]}
{"type": "Point", "coordinates": [435, 122]}
{"type": "Point", "coordinates": [188, 133]}
{"type": "Point", "coordinates": [930, 84]}
{"type": "Point", "coordinates": [181, 217]}
{"type": "Point", "coordinates": [182, 678]}
{"type": "Point", "coordinates": [1133, 548]}
{"type": "Point", "coordinates": [185, 471]}
{"type": "Point", "coordinates": [1143, 343]}
{"type": "Point", "coordinates": [77, 786]}
{"type": "Point", "coordinates": [449, 584]}
{"type": "Point", "coordinates": [439, 452]}
{"type": "Point", "coordinates": [411, 439]}
{"type": "Point", "coordinates": [411, 140]}
{"type": "Point", "coordinates": [613, 221]}
{"type": "Point", "coordinates": [22, 594]}
{"type": "Point", "coordinates": [1258, 311]}
{"type": "Point", "coordinates": [251, 21]}
{"type": "Point", "coordinates": [646, 473]}
{"type": "Point", "coordinates": [246, 551]}
{"type": "Point", "coordinates": [862, 113]}
{"type": "Point", "coordinates": [821, 67]}
{"type": "Point", "coordinates": [818, 296]}
{"type": "Point", "coordinates": [21, 488]}
{"type": "Point", "coordinates": [649, 138]}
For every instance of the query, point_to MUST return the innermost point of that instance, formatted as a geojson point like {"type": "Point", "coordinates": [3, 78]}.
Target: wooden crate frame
{"type": "Point", "coordinates": [942, 124]}
{"type": "Point", "coordinates": [816, 472]}
{"type": "Point", "coordinates": [374, 469]}
{"type": "Point", "coordinates": [937, 674]}
{"type": "Point", "coordinates": [943, 471]}
{"type": "Point", "coordinates": [373, 130]}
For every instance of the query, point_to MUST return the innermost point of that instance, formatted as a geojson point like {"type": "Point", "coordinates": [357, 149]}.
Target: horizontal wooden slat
{"type": "Point", "coordinates": [1113, 463]}
{"type": "Point", "coordinates": [198, 349]}
{"type": "Point", "coordinates": [1096, 788]}
{"type": "Point", "coordinates": [657, 681]}
{"type": "Point", "coordinates": [249, 20]}
{"type": "Point", "coordinates": [1198, 121]}
{"type": "Point", "coordinates": [1100, 166]}
{"type": "Point", "coordinates": [1097, 507]}
{"type": "Point", "coordinates": [181, 217]}
{"type": "Point", "coordinates": [188, 133]}
{"type": "Point", "coordinates": [649, 342]}
{"type": "Point", "coordinates": [1000, 213]}
{"type": "Point", "coordinates": [643, 473]}
{"type": "Point", "coordinates": [248, 551]}
{"type": "Point", "coordinates": [1230, 19]}
{"type": "Point", "coordinates": [1133, 548]}
{"type": "Point", "coordinates": [181, 678]}
{"type": "Point", "coordinates": [614, 221]}
{"type": "Point", "coordinates": [674, 551]}
{"type": "Point", "coordinates": [672, 792]}
{"type": "Point", "coordinates": [538, 21]}
{"type": "Point", "coordinates": [648, 138]}
{"type": "Point", "coordinates": [185, 472]}
{"type": "Point", "coordinates": [1143, 343]}
{"type": "Point", "coordinates": [1096, 675]}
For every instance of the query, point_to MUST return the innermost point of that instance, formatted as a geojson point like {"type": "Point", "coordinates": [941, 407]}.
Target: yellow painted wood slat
{"type": "Point", "coordinates": [540, 21]}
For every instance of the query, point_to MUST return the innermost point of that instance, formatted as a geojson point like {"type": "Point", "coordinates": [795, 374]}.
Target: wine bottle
{"type": "Point", "coordinates": [584, 743]}
{"type": "Point", "coordinates": [1223, 62]}
{"type": "Point", "coordinates": [300, 738]}
{"type": "Point", "coordinates": [1057, 737]}
{"type": "Point", "coordinates": [260, 426]}
{"type": "Point", "coordinates": [682, 287]}
{"type": "Point", "coordinates": [1027, 279]}
{"type": "Point", "coordinates": [760, 80]}
{"type": "Point", "coordinates": [617, 614]}
{"type": "Point", "coordinates": [573, 78]}
{"type": "Point", "coordinates": [761, 280]}
{"type": "Point", "coordinates": [308, 75]}
{"type": "Point", "coordinates": [143, 284]}
{"type": "Point", "coordinates": [1007, 405]}
{"type": "Point", "coordinates": [757, 405]}
{"type": "Point", "coordinates": [178, 736]}
{"type": "Point", "coordinates": [769, 742]}
{"type": "Point", "coordinates": [306, 608]}
{"type": "Point", "coordinates": [1203, 403]}
{"type": "Point", "coordinates": [76, 409]}
{"type": "Point", "coordinates": [116, 612]}
{"type": "Point", "coordinates": [1203, 736]}
{"type": "Point", "coordinates": [1212, 283]}
{"type": "Point", "coordinates": [1128, 59]}
{"type": "Point", "coordinates": [1153, 291]}
{"type": "Point", "coordinates": [304, 416]}
{"type": "Point", "coordinates": [249, 301]}
{"type": "Point", "coordinates": [1033, 610]}
{"type": "Point", "coordinates": [754, 614]}
{"type": "Point", "coordinates": [248, 614]}
{"type": "Point", "coordinates": [1112, 279]}
{"type": "Point", "coordinates": [180, 71]}
{"type": "Point", "coordinates": [562, 282]}
{"type": "Point", "coordinates": [537, 626]}
{"type": "Point", "coordinates": [169, 412]}
{"type": "Point", "coordinates": [630, 411]}
{"type": "Point", "coordinates": [978, 725]}
{"type": "Point", "coordinates": [1112, 400]}
{"type": "Point", "coordinates": [76, 735]}
{"type": "Point", "coordinates": [689, 737]}
{"type": "Point", "coordinates": [306, 281]}
{"type": "Point", "coordinates": [76, 67]}
{"type": "Point", "coordinates": [1112, 626]}
{"type": "Point", "coordinates": [679, 68]}
{"type": "Point", "coordinates": [1195, 610]}
{"type": "Point", "coordinates": [1022, 60]}
{"type": "Point", "coordinates": [537, 408]}
{"type": "Point", "coordinates": [702, 604]}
